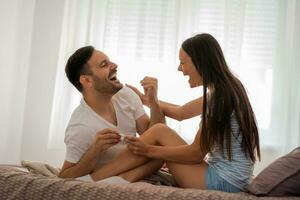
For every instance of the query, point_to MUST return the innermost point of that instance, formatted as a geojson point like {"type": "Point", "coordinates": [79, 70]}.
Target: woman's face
{"type": "Point", "coordinates": [188, 68]}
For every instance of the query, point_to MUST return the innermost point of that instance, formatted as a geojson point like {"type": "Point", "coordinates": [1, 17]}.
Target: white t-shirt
{"type": "Point", "coordinates": [85, 123]}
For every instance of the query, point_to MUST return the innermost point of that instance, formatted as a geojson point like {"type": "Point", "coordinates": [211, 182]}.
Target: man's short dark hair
{"type": "Point", "coordinates": [77, 65]}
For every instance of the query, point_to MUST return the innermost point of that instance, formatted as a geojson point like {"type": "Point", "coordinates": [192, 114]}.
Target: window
{"type": "Point", "coordinates": [143, 38]}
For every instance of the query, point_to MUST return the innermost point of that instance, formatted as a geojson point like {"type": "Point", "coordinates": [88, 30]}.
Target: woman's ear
{"type": "Point", "coordinates": [86, 81]}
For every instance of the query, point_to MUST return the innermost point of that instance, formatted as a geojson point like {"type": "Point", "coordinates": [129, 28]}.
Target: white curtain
{"type": "Point", "coordinates": [259, 39]}
{"type": "Point", "coordinates": [285, 115]}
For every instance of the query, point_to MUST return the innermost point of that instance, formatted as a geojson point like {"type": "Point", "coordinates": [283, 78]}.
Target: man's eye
{"type": "Point", "coordinates": [103, 64]}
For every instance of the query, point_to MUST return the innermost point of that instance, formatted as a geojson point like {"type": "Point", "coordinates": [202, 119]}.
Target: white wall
{"type": "Point", "coordinates": [16, 19]}
{"type": "Point", "coordinates": [30, 41]}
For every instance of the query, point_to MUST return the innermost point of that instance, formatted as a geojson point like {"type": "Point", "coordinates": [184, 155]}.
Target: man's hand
{"type": "Point", "coordinates": [150, 89]}
{"type": "Point", "coordinates": [137, 146]}
{"type": "Point", "coordinates": [143, 97]}
{"type": "Point", "coordinates": [105, 139]}
{"type": "Point", "coordinates": [149, 98]}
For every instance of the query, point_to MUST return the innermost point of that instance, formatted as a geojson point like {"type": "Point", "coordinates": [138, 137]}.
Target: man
{"type": "Point", "coordinates": [107, 110]}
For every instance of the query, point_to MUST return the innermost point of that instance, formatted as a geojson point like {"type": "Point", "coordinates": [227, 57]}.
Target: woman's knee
{"type": "Point", "coordinates": [154, 133]}
{"type": "Point", "coordinates": [159, 126]}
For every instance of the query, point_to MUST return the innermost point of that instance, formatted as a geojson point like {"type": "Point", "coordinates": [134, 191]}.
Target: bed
{"type": "Point", "coordinates": [19, 183]}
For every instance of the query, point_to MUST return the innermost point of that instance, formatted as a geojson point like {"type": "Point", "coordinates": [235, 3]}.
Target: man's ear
{"type": "Point", "coordinates": [86, 81]}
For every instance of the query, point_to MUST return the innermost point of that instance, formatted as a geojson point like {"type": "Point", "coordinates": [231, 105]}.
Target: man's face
{"type": "Point", "coordinates": [104, 73]}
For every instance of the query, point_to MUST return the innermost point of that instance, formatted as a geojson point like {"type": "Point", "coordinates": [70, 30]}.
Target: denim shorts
{"type": "Point", "coordinates": [215, 182]}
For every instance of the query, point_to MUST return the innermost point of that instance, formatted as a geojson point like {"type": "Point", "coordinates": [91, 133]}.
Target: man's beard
{"type": "Point", "coordinates": [105, 86]}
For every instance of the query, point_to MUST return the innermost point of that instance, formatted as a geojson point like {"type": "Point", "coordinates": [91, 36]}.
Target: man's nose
{"type": "Point", "coordinates": [113, 65]}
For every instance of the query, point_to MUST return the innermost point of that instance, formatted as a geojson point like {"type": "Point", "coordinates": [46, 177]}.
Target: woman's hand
{"type": "Point", "coordinates": [137, 146]}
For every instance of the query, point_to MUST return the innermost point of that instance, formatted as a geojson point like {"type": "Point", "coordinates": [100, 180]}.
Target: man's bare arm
{"type": "Point", "coordinates": [143, 122]}
{"type": "Point", "coordinates": [103, 140]}
{"type": "Point", "coordinates": [150, 86]}
{"type": "Point", "coordinates": [156, 114]}
{"type": "Point", "coordinates": [85, 165]}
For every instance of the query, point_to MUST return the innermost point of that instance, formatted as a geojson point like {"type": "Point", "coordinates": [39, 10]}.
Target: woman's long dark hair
{"type": "Point", "coordinates": [227, 96]}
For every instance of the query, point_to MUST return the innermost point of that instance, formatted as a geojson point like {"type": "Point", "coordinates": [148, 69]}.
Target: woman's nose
{"type": "Point", "coordinates": [179, 68]}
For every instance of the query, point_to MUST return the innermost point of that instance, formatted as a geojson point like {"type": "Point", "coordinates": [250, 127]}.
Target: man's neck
{"type": "Point", "coordinates": [99, 102]}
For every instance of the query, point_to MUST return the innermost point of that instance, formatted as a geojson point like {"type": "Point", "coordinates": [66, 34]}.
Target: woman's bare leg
{"type": "Point", "coordinates": [189, 176]}
{"type": "Point", "coordinates": [133, 167]}
{"type": "Point", "coordinates": [157, 134]}
{"type": "Point", "coordinates": [143, 171]}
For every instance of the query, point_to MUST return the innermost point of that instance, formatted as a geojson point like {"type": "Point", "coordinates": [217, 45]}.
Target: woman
{"type": "Point", "coordinates": [227, 142]}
